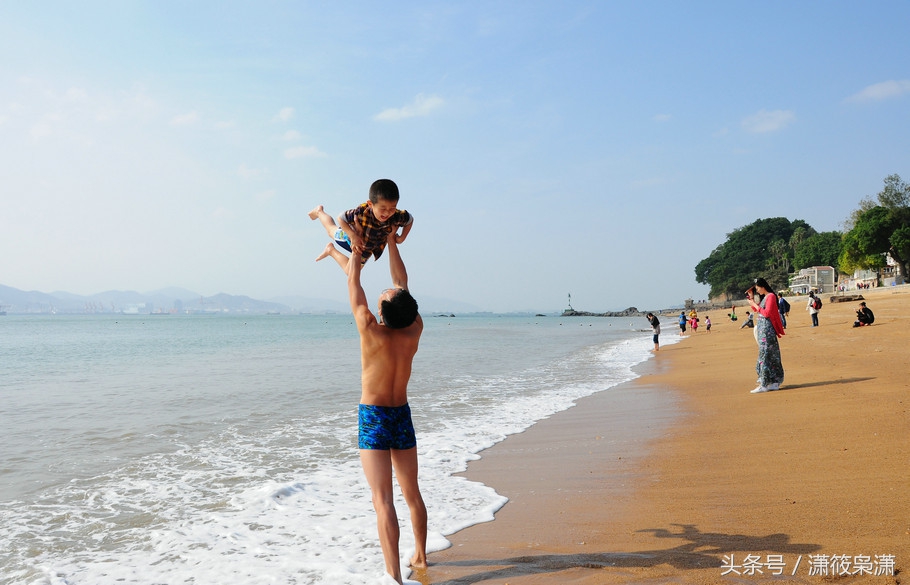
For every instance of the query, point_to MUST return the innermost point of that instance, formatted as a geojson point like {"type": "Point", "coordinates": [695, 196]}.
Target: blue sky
{"type": "Point", "coordinates": [600, 149]}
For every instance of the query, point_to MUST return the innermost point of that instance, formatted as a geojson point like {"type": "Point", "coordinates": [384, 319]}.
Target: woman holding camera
{"type": "Point", "coordinates": [768, 328]}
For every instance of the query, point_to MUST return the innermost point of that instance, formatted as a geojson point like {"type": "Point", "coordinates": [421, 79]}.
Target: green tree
{"type": "Point", "coordinates": [879, 227]}
{"type": "Point", "coordinates": [821, 249]}
{"type": "Point", "coordinates": [758, 249]}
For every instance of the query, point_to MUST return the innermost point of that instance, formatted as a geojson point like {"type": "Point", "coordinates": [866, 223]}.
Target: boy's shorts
{"type": "Point", "coordinates": [342, 239]}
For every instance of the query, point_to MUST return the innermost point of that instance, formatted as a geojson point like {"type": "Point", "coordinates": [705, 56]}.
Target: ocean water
{"type": "Point", "coordinates": [144, 449]}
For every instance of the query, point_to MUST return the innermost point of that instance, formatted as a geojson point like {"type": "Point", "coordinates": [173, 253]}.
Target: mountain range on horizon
{"type": "Point", "coordinates": [179, 300]}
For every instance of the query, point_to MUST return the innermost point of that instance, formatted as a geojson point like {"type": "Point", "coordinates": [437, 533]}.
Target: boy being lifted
{"type": "Point", "coordinates": [365, 229]}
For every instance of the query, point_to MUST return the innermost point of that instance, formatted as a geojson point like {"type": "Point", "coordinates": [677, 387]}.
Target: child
{"type": "Point", "coordinates": [708, 324]}
{"type": "Point", "coordinates": [365, 229]}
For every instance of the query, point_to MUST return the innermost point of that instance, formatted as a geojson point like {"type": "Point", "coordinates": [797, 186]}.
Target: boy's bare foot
{"type": "Point", "coordinates": [329, 248]}
{"type": "Point", "coordinates": [315, 213]}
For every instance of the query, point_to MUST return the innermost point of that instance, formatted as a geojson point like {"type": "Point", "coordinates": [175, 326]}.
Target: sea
{"type": "Point", "coordinates": [214, 449]}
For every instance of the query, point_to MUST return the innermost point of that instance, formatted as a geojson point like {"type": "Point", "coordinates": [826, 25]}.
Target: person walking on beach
{"type": "Point", "coordinates": [768, 329]}
{"type": "Point", "coordinates": [365, 229]}
{"type": "Point", "coordinates": [386, 436]}
{"type": "Point", "coordinates": [655, 329]}
{"type": "Point", "coordinates": [707, 324]}
{"type": "Point", "coordinates": [682, 323]}
{"type": "Point", "coordinates": [813, 306]}
{"type": "Point", "coordinates": [784, 307]}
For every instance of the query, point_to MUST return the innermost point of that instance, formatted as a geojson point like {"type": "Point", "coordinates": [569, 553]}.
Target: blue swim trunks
{"type": "Point", "coordinates": [385, 427]}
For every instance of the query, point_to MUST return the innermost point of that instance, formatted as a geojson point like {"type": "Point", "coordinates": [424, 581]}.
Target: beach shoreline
{"type": "Point", "coordinates": [717, 477]}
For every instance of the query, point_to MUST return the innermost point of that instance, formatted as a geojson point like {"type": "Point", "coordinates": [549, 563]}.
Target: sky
{"type": "Point", "coordinates": [598, 149]}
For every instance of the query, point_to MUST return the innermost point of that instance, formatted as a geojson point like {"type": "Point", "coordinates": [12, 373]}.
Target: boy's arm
{"type": "Point", "coordinates": [404, 231]}
{"type": "Point", "coordinates": [356, 240]}
{"type": "Point", "coordinates": [396, 264]}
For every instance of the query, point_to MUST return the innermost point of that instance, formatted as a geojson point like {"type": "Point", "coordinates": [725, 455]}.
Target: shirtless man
{"type": "Point", "coordinates": [386, 435]}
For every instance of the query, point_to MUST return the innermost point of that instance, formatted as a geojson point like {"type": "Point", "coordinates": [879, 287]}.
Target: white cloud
{"type": "Point", "coordinates": [303, 152]}
{"type": "Point", "coordinates": [882, 91]}
{"type": "Point", "coordinates": [224, 125]}
{"type": "Point", "coordinates": [284, 115]}
{"type": "Point", "coordinates": [185, 119]}
{"type": "Point", "coordinates": [662, 118]}
{"type": "Point", "coordinates": [291, 135]}
{"type": "Point", "coordinates": [45, 126]}
{"type": "Point", "coordinates": [222, 212]}
{"type": "Point", "coordinates": [246, 172]}
{"type": "Point", "coordinates": [421, 106]}
{"type": "Point", "coordinates": [76, 94]}
{"type": "Point", "coordinates": [764, 121]}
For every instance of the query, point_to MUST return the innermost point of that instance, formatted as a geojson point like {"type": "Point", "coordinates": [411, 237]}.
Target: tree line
{"type": "Point", "coordinates": [775, 247]}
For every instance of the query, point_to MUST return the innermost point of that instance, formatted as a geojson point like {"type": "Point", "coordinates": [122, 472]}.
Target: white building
{"type": "Point", "coordinates": [817, 278]}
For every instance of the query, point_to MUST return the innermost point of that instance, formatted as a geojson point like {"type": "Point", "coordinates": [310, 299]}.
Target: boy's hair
{"type": "Point", "coordinates": [400, 311]}
{"type": "Point", "coordinates": [385, 190]}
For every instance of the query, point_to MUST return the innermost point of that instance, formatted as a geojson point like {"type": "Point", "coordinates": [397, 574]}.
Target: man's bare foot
{"type": "Point", "coordinates": [418, 561]}
{"type": "Point", "coordinates": [315, 213]}
{"type": "Point", "coordinates": [329, 248]}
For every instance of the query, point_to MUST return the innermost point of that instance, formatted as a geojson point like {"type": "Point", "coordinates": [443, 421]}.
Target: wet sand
{"type": "Point", "coordinates": [715, 484]}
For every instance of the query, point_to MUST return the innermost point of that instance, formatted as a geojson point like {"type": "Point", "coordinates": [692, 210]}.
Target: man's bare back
{"type": "Point", "coordinates": [386, 356]}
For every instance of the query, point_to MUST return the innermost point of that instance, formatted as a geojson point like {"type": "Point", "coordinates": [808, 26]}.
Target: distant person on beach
{"type": "Point", "coordinates": [693, 321]}
{"type": "Point", "coordinates": [682, 322]}
{"type": "Point", "coordinates": [655, 329]}
{"type": "Point", "coordinates": [748, 322]}
{"type": "Point", "coordinates": [813, 307]}
{"type": "Point", "coordinates": [365, 229]}
{"type": "Point", "coordinates": [864, 316]}
{"type": "Point", "coordinates": [768, 329]}
{"type": "Point", "coordinates": [386, 436]}
{"type": "Point", "coordinates": [708, 324]}
{"type": "Point", "coordinates": [732, 314]}
{"type": "Point", "coordinates": [784, 307]}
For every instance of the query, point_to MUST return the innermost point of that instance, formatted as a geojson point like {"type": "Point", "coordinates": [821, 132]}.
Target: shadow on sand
{"type": "Point", "coordinates": [700, 551]}
{"type": "Point", "coordinates": [825, 383]}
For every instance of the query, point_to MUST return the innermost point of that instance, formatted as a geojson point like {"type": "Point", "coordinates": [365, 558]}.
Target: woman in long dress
{"type": "Point", "coordinates": [768, 328]}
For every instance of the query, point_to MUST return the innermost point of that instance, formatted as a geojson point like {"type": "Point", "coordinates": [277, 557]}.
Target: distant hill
{"type": "Point", "coordinates": [180, 300]}
{"type": "Point", "coordinates": [170, 300]}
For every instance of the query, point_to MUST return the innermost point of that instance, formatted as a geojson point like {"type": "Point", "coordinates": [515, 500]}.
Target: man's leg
{"type": "Point", "coordinates": [328, 222]}
{"type": "Point", "coordinates": [377, 467]}
{"type": "Point", "coordinates": [405, 463]}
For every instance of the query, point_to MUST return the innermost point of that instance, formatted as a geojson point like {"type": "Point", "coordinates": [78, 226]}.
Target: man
{"type": "Point", "coordinates": [386, 435]}
{"type": "Point", "coordinates": [864, 316]}
{"type": "Point", "coordinates": [783, 307]}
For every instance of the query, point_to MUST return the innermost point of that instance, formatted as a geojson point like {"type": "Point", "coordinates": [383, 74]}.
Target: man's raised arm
{"type": "Point", "coordinates": [355, 288]}
{"type": "Point", "coordinates": [396, 265]}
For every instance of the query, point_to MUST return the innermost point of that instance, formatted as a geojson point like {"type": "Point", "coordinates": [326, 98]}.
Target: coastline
{"type": "Point", "coordinates": [713, 473]}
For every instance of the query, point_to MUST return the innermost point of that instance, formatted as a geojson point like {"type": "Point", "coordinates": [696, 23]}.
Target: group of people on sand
{"type": "Point", "coordinates": [388, 344]}
{"type": "Point", "coordinates": [691, 321]}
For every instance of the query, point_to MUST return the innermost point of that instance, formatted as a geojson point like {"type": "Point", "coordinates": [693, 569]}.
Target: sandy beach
{"type": "Point", "coordinates": [808, 484]}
